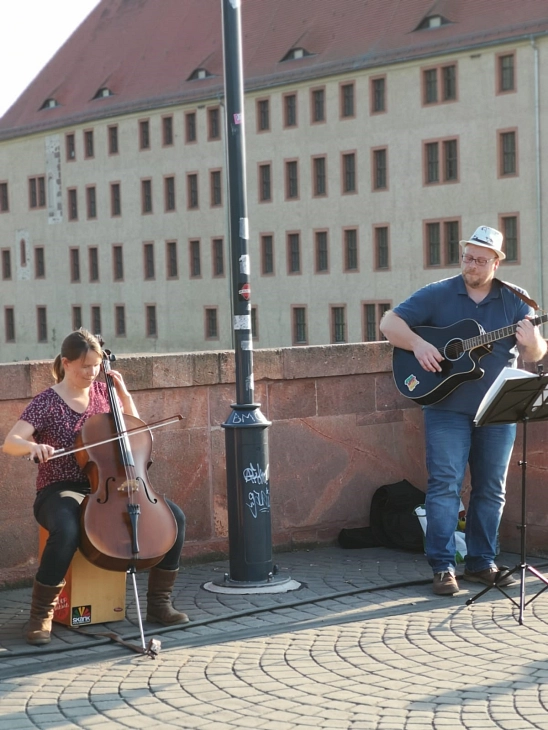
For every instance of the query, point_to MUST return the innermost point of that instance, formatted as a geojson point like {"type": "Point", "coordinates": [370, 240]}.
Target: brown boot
{"type": "Point", "coordinates": [159, 608]}
{"type": "Point", "coordinates": [44, 600]}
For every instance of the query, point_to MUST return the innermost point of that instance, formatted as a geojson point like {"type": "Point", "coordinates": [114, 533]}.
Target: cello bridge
{"type": "Point", "coordinates": [130, 485]}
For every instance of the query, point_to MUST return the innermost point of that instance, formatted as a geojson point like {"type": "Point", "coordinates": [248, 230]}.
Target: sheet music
{"type": "Point", "coordinates": [504, 375]}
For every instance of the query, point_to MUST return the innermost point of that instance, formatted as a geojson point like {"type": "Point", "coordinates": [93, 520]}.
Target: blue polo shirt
{"type": "Point", "coordinates": [445, 303]}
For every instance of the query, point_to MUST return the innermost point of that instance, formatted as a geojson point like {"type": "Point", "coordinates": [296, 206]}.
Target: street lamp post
{"type": "Point", "coordinates": [246, 429]}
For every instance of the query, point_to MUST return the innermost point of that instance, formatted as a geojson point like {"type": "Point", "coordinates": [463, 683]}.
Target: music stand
{"type": "Point", "coordinates": [518, 399]}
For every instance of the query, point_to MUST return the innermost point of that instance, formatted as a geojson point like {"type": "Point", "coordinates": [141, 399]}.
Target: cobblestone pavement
{"type": "Point", "coordinates": [362, 644]}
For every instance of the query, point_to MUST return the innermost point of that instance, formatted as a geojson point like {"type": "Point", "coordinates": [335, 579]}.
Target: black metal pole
{"type": "Point", "coordinates": [246, 438]}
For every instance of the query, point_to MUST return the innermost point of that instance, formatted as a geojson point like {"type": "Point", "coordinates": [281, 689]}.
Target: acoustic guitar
{"type": "Point", "coordinates": [462, 345]}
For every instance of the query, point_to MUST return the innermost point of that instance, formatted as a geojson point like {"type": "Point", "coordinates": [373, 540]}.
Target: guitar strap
{"type": "Point", "coordinates": [523, 297]}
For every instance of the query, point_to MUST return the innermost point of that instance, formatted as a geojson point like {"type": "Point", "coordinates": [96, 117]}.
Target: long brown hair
{"type": "Point", "coordinates": [74, 347]}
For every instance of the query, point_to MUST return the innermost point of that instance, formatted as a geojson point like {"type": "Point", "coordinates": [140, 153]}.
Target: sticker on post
{"type": "Point", "coordinates": [238, 117]}
{"type": "Point", "coordinates": [235, 3]}
{"type": "Point", "coordinates": [245, 291]}
{"type": "Point", "coordinates": [244, 264]}
{"type": "Point", "coordinates": [244, 228]}
{"type": "Point", "coordinates": [246, 344]}
{"type": "Point", "coordinates": [242, 322]}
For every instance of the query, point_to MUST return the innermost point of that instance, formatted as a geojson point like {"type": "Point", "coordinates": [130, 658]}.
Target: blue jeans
{"type": "Point", "coordinates": [452, 441]}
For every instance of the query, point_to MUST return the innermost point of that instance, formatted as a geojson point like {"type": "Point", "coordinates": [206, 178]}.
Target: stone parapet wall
{"type": "Point", "coordinates": [339, 430]}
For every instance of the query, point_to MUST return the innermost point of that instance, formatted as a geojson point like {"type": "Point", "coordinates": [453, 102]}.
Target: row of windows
{"type": "Point", "coordinates": [371, 315]}
{"type": "Point", "coordinates": [440, 165]}
{"type": "Point", "coordinates": [439, 85]}
{"type": "Point", "coordinates": [441, 248]}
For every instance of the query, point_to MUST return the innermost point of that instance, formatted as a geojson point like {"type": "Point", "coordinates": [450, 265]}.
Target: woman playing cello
{"type": "Point", "coordinates": [51, 421]}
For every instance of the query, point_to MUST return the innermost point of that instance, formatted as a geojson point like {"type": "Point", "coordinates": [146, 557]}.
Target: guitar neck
{"type": "Point", "coordinates": [500, 334]}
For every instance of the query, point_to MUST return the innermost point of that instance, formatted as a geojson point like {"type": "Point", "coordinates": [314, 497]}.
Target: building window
{"type": "Point", "coordinates": [96, 319]}
{"type": "Point", "coordinates": [378, 95]}
{"type": "Point", "coordinates": [263, 115]}
{"type": "Point", "coordinates": [190, 127]}
{"type": "Point", "coordinates": [506, 73]}
{"type": "Point", "coordinates": [449, 170]}
{"type": "Point", "coordinates": [265, 190]}
{"type": "Point", "coordinates": [300, 335]}
{"type": "Point", "coordinates": [144, 134]}
{"type": "Point", "coordinates": [167, 131]}
{"type": "Point", "coordinates": [195, 260]}
{"type": "Point", "coordinates": [290, 110]}
{"type": "Point", "coordinates": [381, 248]}
{"type": "Point", "coordinates": [380, 170]}
{"type": "Point", "coordinates": [169, 193]}
{"type": "Point", "coordinates": [4, 199]}
{"type": "Point", "coordinates": [215, 190]}
{"type": "Point", "coordinates": [218, 257]}
{"type": "Point", "coordinates": [91, 203]}
{"type": "Point", "coordinates": [6, 264]}
{"type": "Point", "coordinates": [509, 227]}
{"type": "Point", "coordinates": [37, 191]}
{"type": "Point", "coordinates": [319, 176]}
{"type": "Point", "coordinates": [9, 324]}
{"type": "Point", "coordinates": [148, 261]}
{"type": "Point", "coordinates": [267, 255]}
{"type": "Point", "coordinates": [322, 254]}
{"type": "Point", "coordinates": [294, 253]}
{"type": "Point", "coordinates": [349, 172]}
{"type": "Point", "coordinates": [117, 263]}
{"type": "Point", "coordinates": [70, 147]}
{"type": "Point", "coordinates": [76, 317]}
{"type": "Point", "coordinates": [115, 200]}
{"type": "Point", "coordinates": [212, 331]}
{"type": "Point", "coordinates": [93, 262]}
{"type": "Point", "coordinates": [350, 249]}
{"type": "Point", "coordinates": [338, 324]}
{"type": "Point", "coordinates": [151, 324]}
{"type": "Point", "coordinates": [372, 315]}
{"type": "Point", "coordinates": [213, 123]}
{"type": "Point", "coordinates": [72, 204]}
{"type": "Point", "coordinates": [318, 105]}
{"type": "Point", "coordinates": [255, 322]}
{"type": "Point", "coordinates": [347, 101]}
{"type": "Point", "coordinates": [432, 162]}
{"type": "Point", "coordinates": [39, 263]}
{"type": "Point", "coordinates": [439, 84]}
{"type": "Point", "coordinates": [74, 264]}
{"type": "Point", "coordinates": [508, 153]}
{"type": "Point", "coordinates": [146, 196]}
{"type": "Point", "coordinates": [42, 324]}
{"type": "Point", "coordinates": [291, 180]}
{"type": "Point", "coordinates": [120, 320]}
{"type": "Point", "coordinates": [442, 243]}
{"type": "Point", "coordinates": [89, 148]}
{"type": "Point", "coordinates": [192, 190]}
{"type": "Point", "coordinates": [113, 140]}
{"type": "Point", "coordinates": [449, 77]}
{"type": "Point", "coordinates": [172, 262]}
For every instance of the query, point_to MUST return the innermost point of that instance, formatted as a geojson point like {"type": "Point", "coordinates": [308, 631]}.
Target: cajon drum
{"type": "Point", "coordinates": [91, 595]}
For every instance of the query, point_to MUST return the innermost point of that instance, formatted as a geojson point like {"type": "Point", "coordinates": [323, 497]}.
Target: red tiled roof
{"type": "Point", "coordinates": [144, 51]}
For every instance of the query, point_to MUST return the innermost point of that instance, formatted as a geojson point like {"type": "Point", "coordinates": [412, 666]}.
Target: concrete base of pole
{"type": "Point", "coordinates": [277, 584]}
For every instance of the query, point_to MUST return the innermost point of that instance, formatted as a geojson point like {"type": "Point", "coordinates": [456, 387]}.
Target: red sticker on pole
{"type": "Point", "coordinates": [245, 291]}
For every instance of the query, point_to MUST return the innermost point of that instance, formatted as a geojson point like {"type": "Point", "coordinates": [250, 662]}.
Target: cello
{"type": "Point", "coordinates": [125, 525]}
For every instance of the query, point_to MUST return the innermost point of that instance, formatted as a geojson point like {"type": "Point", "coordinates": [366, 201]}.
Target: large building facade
{"type": "Point", "coordinates": [376, 139]}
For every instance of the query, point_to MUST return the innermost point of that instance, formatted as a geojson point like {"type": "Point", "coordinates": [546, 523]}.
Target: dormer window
{"type": "Point", "coordinates": [50, 104]}
{"type": "Point", "coordinates": [432, 21]}
{"type": "Point", "coordinates": [102, 93]}
{"type": "Point", "coordinates": [199, 73]}
{"type": "Point", "coordinates": [296, 53]}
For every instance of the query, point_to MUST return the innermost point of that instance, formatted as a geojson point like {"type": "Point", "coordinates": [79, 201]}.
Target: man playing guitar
{"type": "Point", "coordinates": [452, 440]}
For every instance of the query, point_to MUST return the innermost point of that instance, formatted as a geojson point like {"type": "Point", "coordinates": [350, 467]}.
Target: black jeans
{"type": "Point", "coordinates": [57, 509]}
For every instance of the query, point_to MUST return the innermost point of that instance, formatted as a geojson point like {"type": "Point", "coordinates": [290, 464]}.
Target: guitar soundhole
{"type": "Point", "coordinates": [453, 350]}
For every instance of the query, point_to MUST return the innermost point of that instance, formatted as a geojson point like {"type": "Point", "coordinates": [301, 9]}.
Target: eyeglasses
{"type": "Point", "coordinates": [471, 260]}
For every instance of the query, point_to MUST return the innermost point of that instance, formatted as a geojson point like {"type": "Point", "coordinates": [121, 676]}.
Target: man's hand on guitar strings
{"type": "Point", "coordinates": [428, 355]}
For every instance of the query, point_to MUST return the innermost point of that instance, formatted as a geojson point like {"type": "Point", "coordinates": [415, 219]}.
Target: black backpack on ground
{"type": "Point", "coordinates": [392, 520]}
